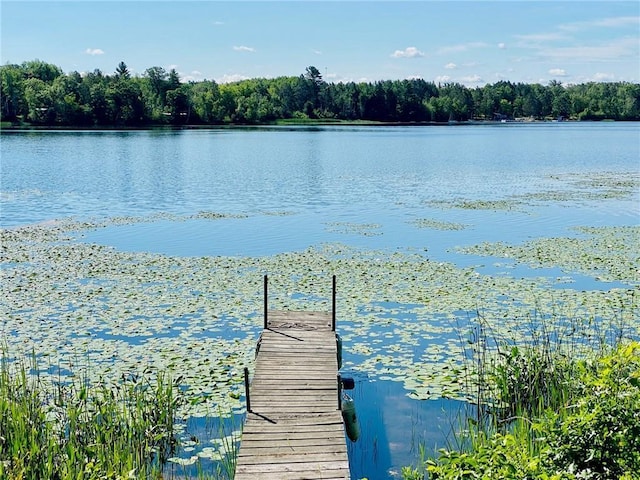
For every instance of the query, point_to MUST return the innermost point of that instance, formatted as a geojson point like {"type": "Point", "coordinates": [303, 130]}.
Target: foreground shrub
{"type": "Point", "coordinates": [599, 435]}
{"type": "Point", "coordinates": [594, 435]}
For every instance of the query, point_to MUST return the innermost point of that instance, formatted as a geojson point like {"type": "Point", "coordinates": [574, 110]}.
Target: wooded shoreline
{"type": "Point", "coordinates": [6, 126]}
{"type": "Point", "coordinates": [36, 93]}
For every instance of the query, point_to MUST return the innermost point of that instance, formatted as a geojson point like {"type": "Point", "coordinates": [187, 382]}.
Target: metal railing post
{"type": "Point", "coordinates": [246, 389]}
{"type": "Point", "coordinates": [333, 306]}
{"type": "Point", "coordinates": [266, 303]}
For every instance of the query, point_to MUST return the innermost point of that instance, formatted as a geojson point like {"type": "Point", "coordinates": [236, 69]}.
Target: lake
{"type": "Point", "coordinates": [164, 236]}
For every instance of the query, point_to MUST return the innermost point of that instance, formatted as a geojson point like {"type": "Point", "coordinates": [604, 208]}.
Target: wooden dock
{"type": "Point", "coordinates": [294, 428]}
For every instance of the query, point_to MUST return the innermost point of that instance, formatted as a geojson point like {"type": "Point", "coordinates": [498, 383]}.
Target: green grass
{"type": "Point", "coordinates": [77, 431]}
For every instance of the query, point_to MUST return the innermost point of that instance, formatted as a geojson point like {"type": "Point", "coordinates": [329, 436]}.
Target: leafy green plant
{"type": "Point", "coordinates": [594, 434]}
{"type": "Point", "coordinates": [599, 435]}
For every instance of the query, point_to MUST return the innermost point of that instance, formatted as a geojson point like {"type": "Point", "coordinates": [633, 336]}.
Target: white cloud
{"type": "Point", "coordinates": [472, 79]}
{"type": "Point", "coordinates": [443, 78]}
{"type": "Point", "coordinates": [502, 45]}
{"type": "Point", "coordinates": [236, 77]}
{"type": "Point", "coordinates": [415, 77]}
{"type": "Point", "coordinates": [616, 22]}
{"type": "Point", "coordinates": [317, 52]}
{"type": "Point", "coordinates": [242, 48]}
{"type": "Point", "coordinates": [536, 38]}
{"type": "Point", "coordinates": [339, 78]}
{"type": "Point", "coordinates": [603, 77]}
{"type": "Point", "coordinates": [194, 76]}
{"type": "Point", "coordinates": [623, 48]}
{"type": "Point", "coordinates": [612, 22]}
{"type": "Point", "coordinates": [409, 52]}
{"type": "Point", "coordinates": [94, 51]}
{"type": "Point", "coordinates": [450, 66]}
{"type": "Point", "coordinates": [217, 23]}
{"type": "Point", "coordinates": [558, 72]}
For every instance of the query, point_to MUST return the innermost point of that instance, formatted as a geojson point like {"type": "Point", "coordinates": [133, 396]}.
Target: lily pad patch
{"type": "Point", "coordinates": [97, 312]}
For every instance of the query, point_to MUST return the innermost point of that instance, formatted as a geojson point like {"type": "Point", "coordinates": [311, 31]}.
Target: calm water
{"type": "Point", "coordinates": [293, 188]}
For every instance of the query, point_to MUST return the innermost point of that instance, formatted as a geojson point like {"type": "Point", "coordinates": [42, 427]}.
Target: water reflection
{"type": "Point", "coordinates": [393, 430]}
{"type": "Point", "coordinates": [393, 427]}
{"type": "Point", "coordinates": [207, 446]}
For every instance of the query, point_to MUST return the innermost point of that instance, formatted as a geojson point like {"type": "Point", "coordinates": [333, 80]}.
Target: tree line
{"type": "Point", "coordinates": [39, 93]}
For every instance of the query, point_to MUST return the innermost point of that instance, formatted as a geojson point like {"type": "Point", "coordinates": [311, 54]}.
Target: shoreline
{"type": "Point", "coordinates": [296, 123]}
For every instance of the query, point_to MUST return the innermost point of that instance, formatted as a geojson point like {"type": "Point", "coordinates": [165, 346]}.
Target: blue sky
{"type": "Point", "coordinates": [472, 43]}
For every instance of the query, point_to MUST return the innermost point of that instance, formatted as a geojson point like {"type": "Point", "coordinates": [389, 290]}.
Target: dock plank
{"type": "Point", "coordinates": [294, 430]}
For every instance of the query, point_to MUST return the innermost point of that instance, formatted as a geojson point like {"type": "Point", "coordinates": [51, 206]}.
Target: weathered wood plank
{"type": "Point", "coordinates": [311, 475]}
{"type": "Point", "coordinates": [321, 430]}
{"type": "Point", "coordinates": [295, 365]}
{"type": "Point", "coordinates": [299, 345]}
{"type": "Point", "coordinates": [313, 338]}
{"type": "Point", "coordinates": [319, 468]}
{"type": "Point", "coordinates": [328, 401]}
{"type": "Point", "coordinates": [271, 399]}
{"type": "Point", "coordinates": [290, 458]}
{"type": "Point", "coordinates": [300, 410]}
{"type": "Point", "coordinates": [271, 388]}
{"type": "Point", "coordinates": [305, 438]}
{"type": "Point", "coordinates": [287, 361]}
{"type": "Point", "coordinates": [284, 351]}
{"type": "Point", "coordinates": [270, 370]}
{"type": "Point", "coordinates": [293, 420]}
{"type": "Point", "coordinates": [283, 408]}
{"type": "Point", "coordinates": [295, 429]}
{"type": "Point", "coordinates": [269, 450]}
{"type": "Point", "coordinates": [291, 379]}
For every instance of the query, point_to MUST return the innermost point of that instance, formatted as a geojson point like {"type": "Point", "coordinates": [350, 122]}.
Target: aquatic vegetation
{"type": "Point", "coordinates": [605, 185]}
{"type": "Point", "coordinates": [466, 204]}
{"type": "Point", "coordinates": [438, 224]}
{"type": "Point", "coordinates": [366, 229]}
{"type": "Point", "coordinates": [215, 215]}
{"type": "Point", "coordinates": [588, 187]}
{"type": "Point", "coordinates": [399, 312]}
{"type": "Point", "coordinates": [571, 188]}
{"type": "Point", "coordinates": [90, 311]}
{"type": "Point", "coordinates": [607, 253]}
